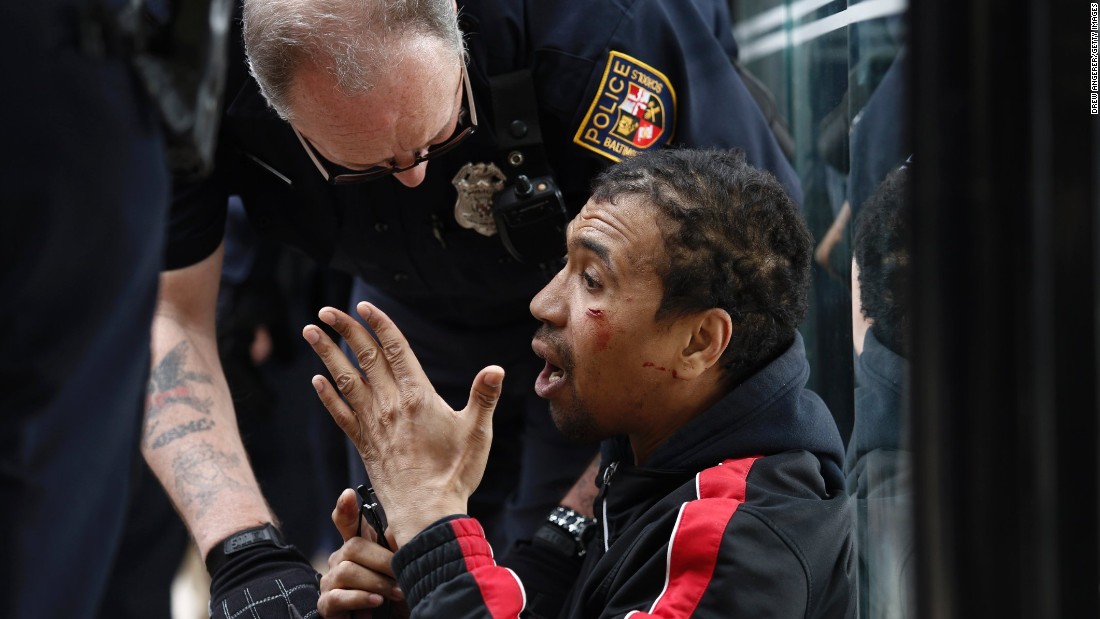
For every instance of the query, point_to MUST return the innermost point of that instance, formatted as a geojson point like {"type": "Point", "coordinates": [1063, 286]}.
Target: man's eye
{"type": "Point", "coordinates": [589, 280]}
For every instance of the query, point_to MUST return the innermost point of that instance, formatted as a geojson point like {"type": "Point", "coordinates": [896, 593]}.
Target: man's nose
{"type": "Point", "coordinates": [413, 176]}
{"type": "Point", "coordinates": [547, 306]}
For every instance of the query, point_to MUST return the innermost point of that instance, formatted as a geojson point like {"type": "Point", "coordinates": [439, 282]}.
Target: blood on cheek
{"type": "Point", "coordinates": [601, 328]}
{"type": "Point", "coordinates": [651, 365]}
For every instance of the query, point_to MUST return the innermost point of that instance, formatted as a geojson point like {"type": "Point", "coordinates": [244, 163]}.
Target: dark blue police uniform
{"type": "Point", "coordinates": [85, 202]}
{"type": "Point", "coordinates": [611, 78]}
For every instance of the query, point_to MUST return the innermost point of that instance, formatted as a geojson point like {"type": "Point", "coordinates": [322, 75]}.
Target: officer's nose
{"type": "Point", "coordinates": [413, 176]}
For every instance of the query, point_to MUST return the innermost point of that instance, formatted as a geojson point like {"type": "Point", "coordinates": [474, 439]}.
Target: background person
{"type": "Point", "coordinates": [85, 191]}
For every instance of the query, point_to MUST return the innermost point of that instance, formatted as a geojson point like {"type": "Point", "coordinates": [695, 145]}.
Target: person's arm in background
{"type": "Point", "coordinates": [191, 442]}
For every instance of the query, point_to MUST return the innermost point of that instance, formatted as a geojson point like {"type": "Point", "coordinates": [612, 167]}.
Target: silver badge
{"type": "Point", "coordinates": [477, 183]}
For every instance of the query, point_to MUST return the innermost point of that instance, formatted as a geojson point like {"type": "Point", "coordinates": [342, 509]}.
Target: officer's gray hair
{"type": "Point", "coordinates": [355, 41]}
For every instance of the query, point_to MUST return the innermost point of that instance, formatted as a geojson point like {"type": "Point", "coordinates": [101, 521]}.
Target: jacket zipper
{"type": "Point", "coordinates": [602, 496]}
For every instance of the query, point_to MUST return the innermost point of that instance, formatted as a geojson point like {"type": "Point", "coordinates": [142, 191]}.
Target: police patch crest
{"type": "Point", "coordinates": [634, 109]}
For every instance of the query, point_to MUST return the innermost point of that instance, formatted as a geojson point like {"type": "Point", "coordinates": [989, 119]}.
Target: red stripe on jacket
{"type": "Point", "coordinates": [500, 588]}
{"type": "Point", "coordinates": [697, 537]}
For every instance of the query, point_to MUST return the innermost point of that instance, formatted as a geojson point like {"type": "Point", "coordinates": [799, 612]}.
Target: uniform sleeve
{"type": "Point", "coordinates": [448, 571]}
{"type": "Point", "coordinates": [666, 78]}
{"type": "Point", "coordinates": [196, 223]}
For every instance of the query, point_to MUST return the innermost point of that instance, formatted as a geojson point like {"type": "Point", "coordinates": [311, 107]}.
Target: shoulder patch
{"type": "Point", "coordinates": [634, 110]}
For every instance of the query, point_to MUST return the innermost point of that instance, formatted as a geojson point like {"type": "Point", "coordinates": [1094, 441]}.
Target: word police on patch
{"type": "Point", "coordinates": [634, 109]}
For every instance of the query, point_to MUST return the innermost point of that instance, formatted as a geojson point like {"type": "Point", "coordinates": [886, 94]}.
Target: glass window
{"type": "Point", "coordinates": [836, 74]}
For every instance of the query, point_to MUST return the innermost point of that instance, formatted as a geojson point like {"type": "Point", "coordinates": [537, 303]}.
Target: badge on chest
{"type": "Point", "coordinates": [476, 184]}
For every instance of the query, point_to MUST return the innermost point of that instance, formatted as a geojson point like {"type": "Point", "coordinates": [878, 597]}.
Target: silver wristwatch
{"type": "Point", "coordinates": [566, 531]}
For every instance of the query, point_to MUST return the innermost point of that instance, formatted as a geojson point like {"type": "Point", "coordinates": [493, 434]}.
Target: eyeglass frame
{"type": "Point", "coordinates": [377, 172]}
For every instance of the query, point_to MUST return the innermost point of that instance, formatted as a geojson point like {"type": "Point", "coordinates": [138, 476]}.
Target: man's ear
{"type": "Point", "coordinates": [710, 335]}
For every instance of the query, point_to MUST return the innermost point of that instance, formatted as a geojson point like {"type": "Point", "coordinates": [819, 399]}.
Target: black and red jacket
{"type": "Point", "coordinates": [741, 513]}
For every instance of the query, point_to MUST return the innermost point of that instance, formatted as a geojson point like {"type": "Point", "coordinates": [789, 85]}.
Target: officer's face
{"type": "Point", "coordinates": [608, 361]}
{"type": "Point", "coordinates": [414, 106]}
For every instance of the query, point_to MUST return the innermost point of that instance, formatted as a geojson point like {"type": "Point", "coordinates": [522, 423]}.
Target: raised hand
{"type": "Point", "coordinates": [423, 458]}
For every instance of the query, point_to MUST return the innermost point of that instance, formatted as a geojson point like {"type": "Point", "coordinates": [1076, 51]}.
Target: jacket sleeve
{"type": "Point", "coordinates": [448, 570]}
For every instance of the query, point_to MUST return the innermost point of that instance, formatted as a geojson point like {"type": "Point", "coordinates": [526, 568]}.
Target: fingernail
{"type": "Point", "coordinates": [493, 380]}
{"type": "Point", "coordinates": [374, 599]}
{"type": "Point", "coordinates": [318, 383]}
{"type": "Point", "coordinates": [327, 316]}
{"type": "Point", "coordinates": [311, 335]}
{"type": "Point", "coordinates": [398, 594]}
{"type": "Point", "coordinates": [364, 309]}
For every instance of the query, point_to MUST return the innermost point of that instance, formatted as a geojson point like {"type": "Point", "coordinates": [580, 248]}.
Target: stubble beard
{"type": "Point", "coordinates": [574, 421]}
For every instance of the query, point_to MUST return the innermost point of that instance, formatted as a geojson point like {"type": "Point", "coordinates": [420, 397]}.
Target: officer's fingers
{"type": "Point", "coordinates": [403, 364]}
{"type": "Point", "coordinates": [364, 565]}
{"type": "Point", "coordinates": [341, 602]}
{"type": "Point", "coordinates": [367, 555]}
{"type": "Point", "coordinates": [346, 377]}
{"type": "Point", "coordinates": [346, 515]}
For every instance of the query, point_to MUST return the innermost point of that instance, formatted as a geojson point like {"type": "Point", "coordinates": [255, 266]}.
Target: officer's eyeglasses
{"type": "Point", "coordinates": [336, 175]}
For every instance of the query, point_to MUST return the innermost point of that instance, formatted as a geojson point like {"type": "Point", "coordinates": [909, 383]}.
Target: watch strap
{"type": "Point", "coordinates": [565, 531]}
{"type": "Point", "coordinates": [263, 535]}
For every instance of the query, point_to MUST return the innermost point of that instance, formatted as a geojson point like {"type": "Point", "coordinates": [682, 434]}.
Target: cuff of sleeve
{"type": "Point", "coordinates": [440, 553]}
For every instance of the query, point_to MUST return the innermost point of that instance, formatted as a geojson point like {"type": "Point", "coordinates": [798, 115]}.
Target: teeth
{"type": "Point", "coordinates": [555, 376]}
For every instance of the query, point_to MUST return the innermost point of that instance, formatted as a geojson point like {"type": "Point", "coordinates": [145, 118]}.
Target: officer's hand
{"type": "Point", "coordinates": [359, 575]}
{"type": "Point", "coordinates": [267, 582]}
{"type": "Point", "coordinates": [423, 458]}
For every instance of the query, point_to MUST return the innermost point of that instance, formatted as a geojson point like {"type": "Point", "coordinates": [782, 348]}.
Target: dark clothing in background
{"type": "Point", "coordinates": [85, 193]}
{"type": "Point", "coordinates": [879, 480]}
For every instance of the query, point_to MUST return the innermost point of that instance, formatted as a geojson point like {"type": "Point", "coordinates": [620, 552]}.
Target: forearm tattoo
{"type": "Point", "coordinates": [170, 384]}
{"type": "Point", "coordinates": [201, 473]}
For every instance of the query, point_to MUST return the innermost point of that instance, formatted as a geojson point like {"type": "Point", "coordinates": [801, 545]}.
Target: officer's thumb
{"type": "Point", "coordinates": [485, 394]}
{"type": "Point", "coordinates": [346, 513]}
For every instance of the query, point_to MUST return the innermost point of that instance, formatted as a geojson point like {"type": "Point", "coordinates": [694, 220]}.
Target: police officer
{"type": "Point", "coordinates": [85, 195]}
{"type": "Point", "coordinates": [422, 147]}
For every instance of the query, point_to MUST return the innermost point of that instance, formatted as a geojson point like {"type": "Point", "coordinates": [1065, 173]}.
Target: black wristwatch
{"type": "Point", "coordinates": [566, 531]}
{"type": "Point", "coordinates": [264, 535]}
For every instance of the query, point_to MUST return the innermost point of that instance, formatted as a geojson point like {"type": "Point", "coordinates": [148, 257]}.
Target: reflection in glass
{"type": "Point", "coordinates": [878, 463]}
{"type": "Point", "coordinates": [837, 72]}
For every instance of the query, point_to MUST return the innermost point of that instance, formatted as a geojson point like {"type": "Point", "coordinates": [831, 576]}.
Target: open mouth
{"type": "Point", "coordinates": [550, 378]}
{"type": "Point", "coordinates": [554, 373]}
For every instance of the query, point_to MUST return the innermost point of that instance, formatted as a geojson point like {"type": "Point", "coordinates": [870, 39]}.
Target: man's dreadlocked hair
{"type": "Point", "coordinates": [734, 239]}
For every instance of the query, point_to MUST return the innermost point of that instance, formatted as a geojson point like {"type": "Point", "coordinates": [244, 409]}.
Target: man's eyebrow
{"type": "Point", "coordinates": [595, 247]}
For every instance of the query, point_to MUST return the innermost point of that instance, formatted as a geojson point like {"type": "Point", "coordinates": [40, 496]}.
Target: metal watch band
{"type": "Point", "coordinates": [263, 535]}
{"type": "Point", "coordinates": [567, 531]}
